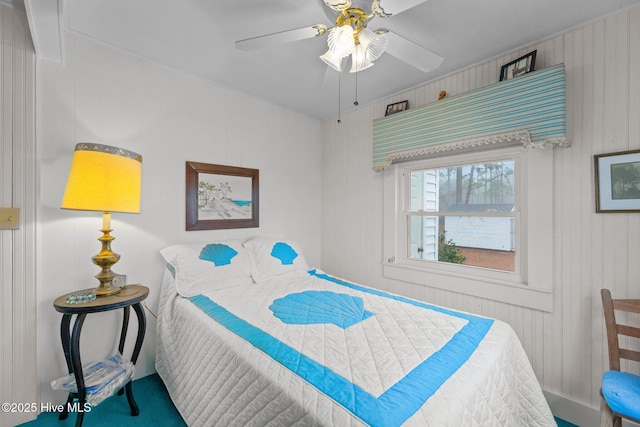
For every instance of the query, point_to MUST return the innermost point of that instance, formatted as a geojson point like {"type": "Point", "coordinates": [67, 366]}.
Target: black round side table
{"type": "Point", "coordinates": [129, 296]}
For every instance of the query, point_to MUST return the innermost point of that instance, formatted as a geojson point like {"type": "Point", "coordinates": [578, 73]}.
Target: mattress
{"type": "Point", "coordinates": [316, 350]}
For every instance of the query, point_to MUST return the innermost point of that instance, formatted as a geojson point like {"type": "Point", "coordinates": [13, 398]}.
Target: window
{"type": "Point", "coordinates": [462, 223]}
{"type": "Point", "coordinates": [464, 214]}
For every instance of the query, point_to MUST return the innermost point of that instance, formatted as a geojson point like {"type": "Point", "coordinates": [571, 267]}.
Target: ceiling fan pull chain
{"type": "Point", "coordinates": [356, 100]}
{"type": "Point", "coordinates": [339, 89]}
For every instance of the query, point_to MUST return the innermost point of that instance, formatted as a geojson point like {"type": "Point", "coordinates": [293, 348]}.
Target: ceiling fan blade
{"type": "Point", "coordinates": [282, 37]}
{"type": "Point", "coordinates": [386, 8]}
{"type": "Point", "coordinates": [411, 53]}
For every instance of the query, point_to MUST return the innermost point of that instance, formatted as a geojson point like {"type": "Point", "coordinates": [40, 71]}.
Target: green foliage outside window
{"type": "Point", "coordinates": [447, 251]}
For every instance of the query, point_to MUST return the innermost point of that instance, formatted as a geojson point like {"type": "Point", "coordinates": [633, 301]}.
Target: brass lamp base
{"type": "Point", "coordinates": [105, 259]}
{"type": "Point", "coordinates": [104, 291]}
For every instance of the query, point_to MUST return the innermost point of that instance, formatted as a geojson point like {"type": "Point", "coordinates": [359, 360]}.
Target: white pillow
{"type": "Point", "coordinates": [271, 257]}
{"type": "Point", "coordinates": [202, 267]}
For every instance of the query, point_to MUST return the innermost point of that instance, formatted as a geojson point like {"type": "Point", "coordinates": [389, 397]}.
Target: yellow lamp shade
{"type": "Point", "coordinates": [103, 178]}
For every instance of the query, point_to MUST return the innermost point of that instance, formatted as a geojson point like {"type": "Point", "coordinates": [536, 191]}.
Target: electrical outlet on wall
{"type": "Point", "coordinates": [9, 218]}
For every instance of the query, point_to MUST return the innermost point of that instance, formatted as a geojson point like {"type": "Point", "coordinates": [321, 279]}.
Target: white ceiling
{"type": "Point", "coordinates": [198, 37]}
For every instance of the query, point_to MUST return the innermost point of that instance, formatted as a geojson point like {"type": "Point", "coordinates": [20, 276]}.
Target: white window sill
{"type": "Point", "coordinates": [486, 288]}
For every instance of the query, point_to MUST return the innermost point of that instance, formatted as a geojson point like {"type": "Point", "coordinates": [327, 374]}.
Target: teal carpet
{"type": "Point", "coordinates": [156, 409]}
{"type": "Point", "coordinates": [563, 423]}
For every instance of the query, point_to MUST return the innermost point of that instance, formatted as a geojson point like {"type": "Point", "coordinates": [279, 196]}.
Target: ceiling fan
{"type": "Point", "coordinates": [350, 37]}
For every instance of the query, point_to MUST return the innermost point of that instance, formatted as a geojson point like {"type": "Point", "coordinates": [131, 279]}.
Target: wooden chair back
{"type": "Point", "coordinates": [614, 329]}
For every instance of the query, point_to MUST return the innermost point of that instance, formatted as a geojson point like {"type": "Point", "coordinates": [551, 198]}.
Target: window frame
{"type": "Point", "coordinates": [530, 285]}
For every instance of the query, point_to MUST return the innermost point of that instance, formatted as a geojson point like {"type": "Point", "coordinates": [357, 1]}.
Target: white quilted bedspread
{"type": "Point", "coordinates": [227, 358]}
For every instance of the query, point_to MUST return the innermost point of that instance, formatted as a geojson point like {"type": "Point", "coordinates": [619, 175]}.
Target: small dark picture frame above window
{"type": "Point", "coordinates": [617, 181]}
{"type": "Point", "coordinates": [397, 107]}
{"type": "Point", "coordinates": [220, 197]}
{"type": "Point", "coordinates": [523, 65]}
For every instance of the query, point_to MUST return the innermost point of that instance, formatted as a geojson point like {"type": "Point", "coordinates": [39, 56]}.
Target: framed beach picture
{"type": "Point", "coordinates": [219, 197]}
{"type": "Point", "coordinates": [617, 181]}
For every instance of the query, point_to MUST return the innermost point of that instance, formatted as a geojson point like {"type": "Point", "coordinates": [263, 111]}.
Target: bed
{"type": "Point", "coordinates": [248, 334]}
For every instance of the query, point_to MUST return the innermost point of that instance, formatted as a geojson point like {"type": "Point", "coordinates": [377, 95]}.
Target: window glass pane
{"type": "Point", "coordinates": [477, 241]}
{"type": "Point", "coordinates": [481, 241]}
{"type": "Point", "coordinates": [423, 232]}
{"type": "Point", "coordinates": [481, 187]}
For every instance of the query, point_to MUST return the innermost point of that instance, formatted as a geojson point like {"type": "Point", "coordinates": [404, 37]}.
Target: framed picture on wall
{"type": "Point", "coordinates": [396, 108]}
{"type": "Point", "coordinates": [523, 65]}
{"type": "Point", "coordinates": [617, 181]}
{"type": "Point", "coordinates": [219, 197]}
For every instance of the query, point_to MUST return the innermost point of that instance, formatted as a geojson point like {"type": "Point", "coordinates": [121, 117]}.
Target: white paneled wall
{"type": "Point", "coordinates": [18, 368]}
{"type": "Point", "coordinates": [106, 95]}
{"type": "Point", "coordinates": [591, 251]}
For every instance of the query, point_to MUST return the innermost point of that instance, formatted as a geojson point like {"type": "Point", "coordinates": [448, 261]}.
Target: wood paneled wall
{"type": "Point", "coordinates": [567, 346]}
{"type": "Point", "coordinates": [18, 377]}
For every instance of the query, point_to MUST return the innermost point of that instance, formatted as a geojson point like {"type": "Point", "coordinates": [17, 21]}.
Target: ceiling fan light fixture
{"type": "Point", "coordinates": [332, 60]}
{"type": "Point", "coordinates": [377, 46]}
{"type": "Point", "coordinates": [359, 59]}
{"type": "Point", "coordinates": [341, 41]}
{"type": "Point", "coordinates": [365, 37]}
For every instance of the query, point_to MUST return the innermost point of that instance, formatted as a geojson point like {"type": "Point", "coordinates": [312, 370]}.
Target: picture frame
{"type": "Point", "coordinates": [119, 280]}
{"type": "Point", "coordinates": [617, 178]}
{"type": "Point", "coordinates": [221, 197]}
{"type": "Point", "coordinates": [523, 65]}
{"type": "Point", "coordinates": [397, 107]}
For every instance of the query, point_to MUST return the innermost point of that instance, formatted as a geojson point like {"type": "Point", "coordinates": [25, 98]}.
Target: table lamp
{"type": "Point", "coordinates": [107, 179]}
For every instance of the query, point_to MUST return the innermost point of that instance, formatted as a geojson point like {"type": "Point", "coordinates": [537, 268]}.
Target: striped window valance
{"type": "Point", "coordinates": [528, 110]}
